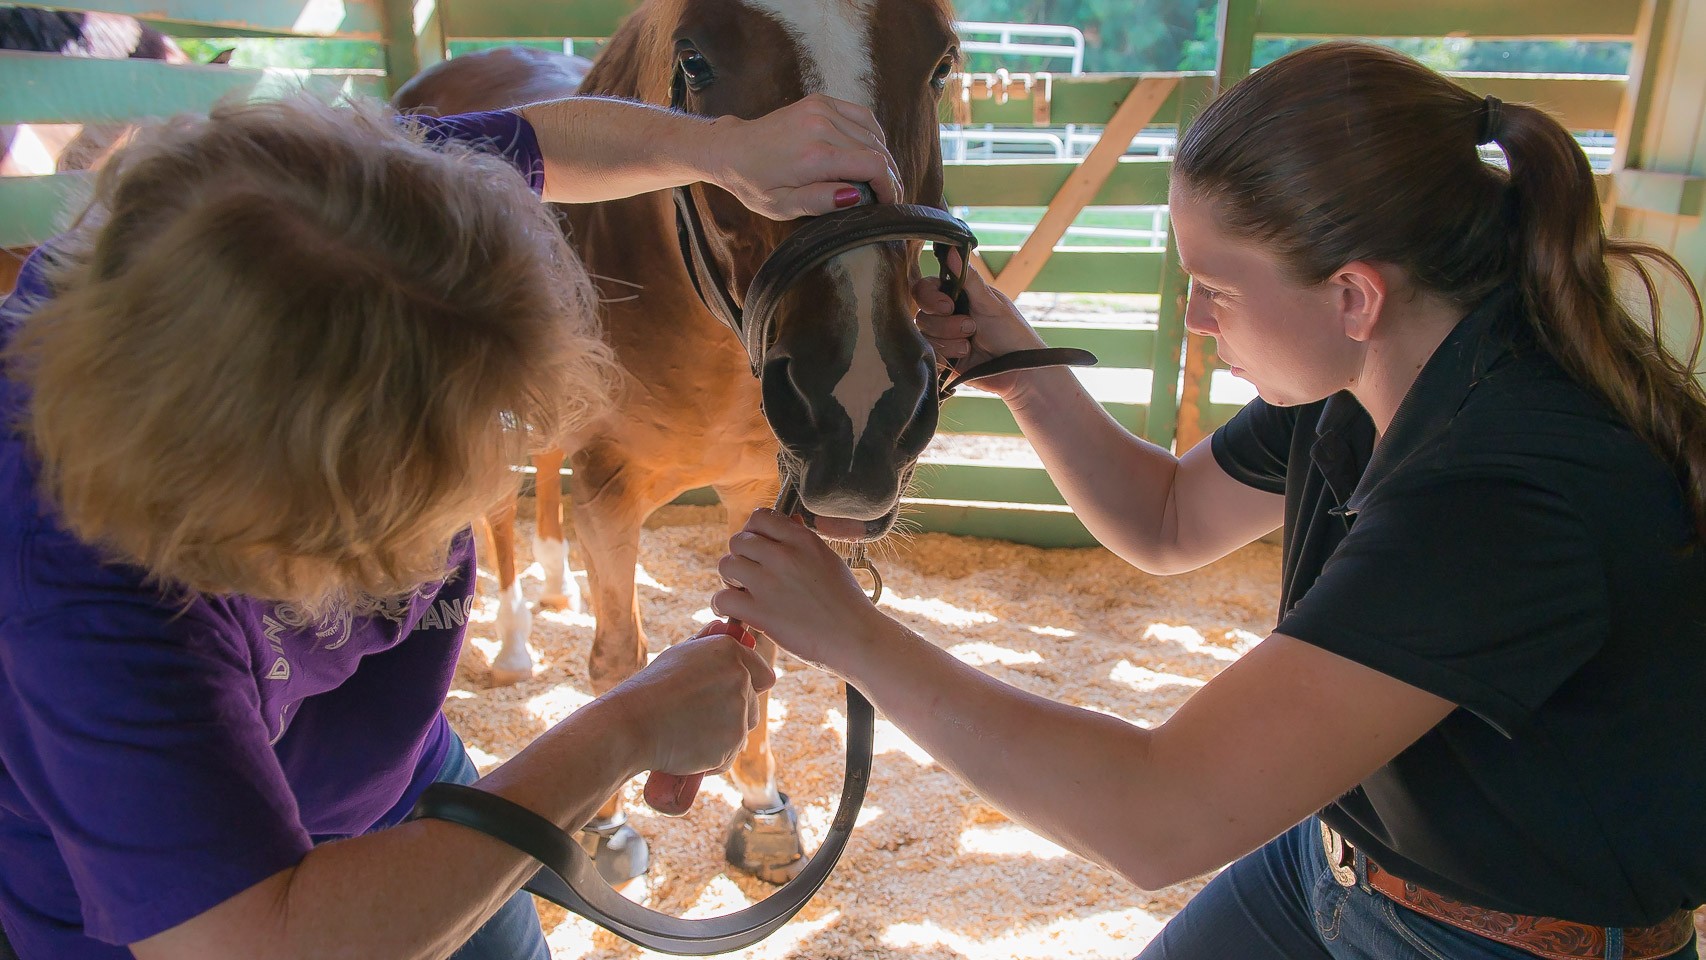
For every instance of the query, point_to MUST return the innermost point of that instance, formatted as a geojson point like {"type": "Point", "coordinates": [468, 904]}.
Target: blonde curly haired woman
{"type": "Point", "coordinates": [252, 401]}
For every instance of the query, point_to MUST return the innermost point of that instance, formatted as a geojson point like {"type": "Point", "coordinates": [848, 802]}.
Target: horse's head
{"type": "Point", "coordinates": [848, 383]}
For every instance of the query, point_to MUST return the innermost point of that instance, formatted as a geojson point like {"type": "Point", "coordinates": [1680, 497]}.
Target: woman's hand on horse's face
{"type": "Point", "coordinates": [783, 580]}
{"type": "Point", "coordinates": [794, 162]}
{"type": "Point", "coordinates": [694, 705]}
{"type": "Point", "coordinates": [993, 328]}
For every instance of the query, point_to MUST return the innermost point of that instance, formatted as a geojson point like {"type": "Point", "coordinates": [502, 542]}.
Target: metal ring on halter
{"type": "Point", "coordinates": [858, 561]}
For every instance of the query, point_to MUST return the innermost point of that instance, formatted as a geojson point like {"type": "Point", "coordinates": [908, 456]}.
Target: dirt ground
{"type": "Point", "coordinates": [932, 873]}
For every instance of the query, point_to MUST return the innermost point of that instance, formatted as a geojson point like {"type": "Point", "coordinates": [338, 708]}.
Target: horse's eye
{"type": "Point", "coordinates": [945, 69]}
{"type": "Point", "coordinates": [694, 67]}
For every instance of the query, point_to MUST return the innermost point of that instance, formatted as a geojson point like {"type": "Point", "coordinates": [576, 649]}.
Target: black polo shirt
{"type": "Point", "coordinates": [1508, 545]}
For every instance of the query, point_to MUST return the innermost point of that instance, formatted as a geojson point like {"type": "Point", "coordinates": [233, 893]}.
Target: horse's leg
{"type": "Point", "coordinates": [754, 771]}
{"type": "Point", "coordinates": [550, 547]}
{"type": "Point", "coordinates": [513, 663]}
{"type": "Point", "coordinates": [611, 500]}
{"type": "Point", "coordinates": [764, 839]}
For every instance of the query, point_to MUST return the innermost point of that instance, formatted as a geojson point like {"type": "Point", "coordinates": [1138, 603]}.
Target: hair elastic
{"type": "Point", "coordinates": [1492, 121]}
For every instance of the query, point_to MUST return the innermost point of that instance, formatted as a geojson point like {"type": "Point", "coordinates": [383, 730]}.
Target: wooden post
{"type": "Point", "coordinates": [414, 38]}
{"type": "Point", "coordinates": [1162, 425]}
{"type": "Point", "coordinates": [1638, 93]}
{"type": "Point", "coordinates": [1134, 113]}
{"type": "Point", "coordinates": [1239, 22]}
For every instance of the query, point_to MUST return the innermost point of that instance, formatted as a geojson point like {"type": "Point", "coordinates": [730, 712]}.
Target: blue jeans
{"type": "Point", "coordinates": [513, 933]}
{"type": "Point", "coordinates": [1282, 903]}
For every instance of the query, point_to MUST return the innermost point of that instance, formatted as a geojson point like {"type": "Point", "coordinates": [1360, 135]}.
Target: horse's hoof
{"type": "Point", "coordinates": [508, 676]}
{"type": "Point", "coordinates": [766, 843]}
{"type": "Point", "coordinates": [619, 851]}
{"type": "Point", "coordinates": [553, 601]}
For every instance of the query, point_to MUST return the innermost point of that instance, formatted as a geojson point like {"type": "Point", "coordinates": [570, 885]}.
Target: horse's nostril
{"type": "Point", "coordinates": [786, 404]}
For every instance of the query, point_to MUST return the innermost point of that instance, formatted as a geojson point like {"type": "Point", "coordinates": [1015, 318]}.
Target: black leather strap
{"type": "Point", "coordinates": [701, 266]}
{"type": "Point", "coordinates": [1020, 360]}
{"type": "Point", "coordinates": [570, 879]}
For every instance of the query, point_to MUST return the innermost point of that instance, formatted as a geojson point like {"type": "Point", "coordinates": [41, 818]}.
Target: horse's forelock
{"type": "Point", "coordinates": [834, 40]}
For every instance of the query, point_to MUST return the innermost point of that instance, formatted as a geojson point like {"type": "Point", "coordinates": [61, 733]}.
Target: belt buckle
{"type": "Point", "coordinates": [1341, 859]}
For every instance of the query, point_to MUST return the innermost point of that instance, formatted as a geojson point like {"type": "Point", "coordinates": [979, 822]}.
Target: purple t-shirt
{"type": "Point", "coordinates": [156, 760]}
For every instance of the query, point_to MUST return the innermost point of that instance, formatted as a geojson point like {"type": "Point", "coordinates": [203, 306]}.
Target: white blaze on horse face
{"type": "Point", "coordinates": [834, 40]}
{"type": "Point", "coordinates": [867, 377]}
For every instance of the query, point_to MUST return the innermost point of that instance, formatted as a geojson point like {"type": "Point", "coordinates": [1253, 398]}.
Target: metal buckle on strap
{"type": "Point", "coordinates": [1341, 857]}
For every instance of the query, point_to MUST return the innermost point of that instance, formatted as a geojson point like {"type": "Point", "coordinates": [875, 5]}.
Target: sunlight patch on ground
{"type": "Point", "coordinates": [556, 703]}
{"type": "Point", "coordinates": [644, 579]}
{"type": "Point", "coordinates": [483, 760]}
{"type": "Point", "coordinates": [1143, 678]}
{"type": "Point", "coordinates": [566, 617]}
{"type": "Point", "coordinates": [1226, 645]}
{"type": "Point", "coordinates": [1007, 840]}
{"type": "Point", "coordinates": [887, 738]}
{"type": "Point", "coordinates": [938, 610]}
{"type": "Point", "coordinates": [1053, 632]}
{"type": "Point", "coordinates": [1119, 933]}
{"type": "Point", "coordinates": [984, 654]}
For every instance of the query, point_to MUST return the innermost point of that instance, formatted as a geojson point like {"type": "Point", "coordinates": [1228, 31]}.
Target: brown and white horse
{"type": "Point", "coordinates": [847, 383]}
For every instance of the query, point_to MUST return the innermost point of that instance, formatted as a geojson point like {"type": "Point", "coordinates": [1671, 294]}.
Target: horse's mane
{"type": "Point", "coordinates": [635, 64]}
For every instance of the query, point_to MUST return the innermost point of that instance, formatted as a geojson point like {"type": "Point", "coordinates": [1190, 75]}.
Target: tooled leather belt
{"type": "Point", "coordinates": [1547, 937]}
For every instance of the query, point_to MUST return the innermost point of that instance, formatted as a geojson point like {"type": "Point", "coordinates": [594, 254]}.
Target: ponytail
{"type": "Point", "coordinates": [1564, 266]}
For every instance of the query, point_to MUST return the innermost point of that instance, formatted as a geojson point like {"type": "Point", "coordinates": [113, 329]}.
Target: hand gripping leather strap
{"type": "Point", "coordinates": [954, 285]}
{"type": "Point", "coordinates": [570, 880]}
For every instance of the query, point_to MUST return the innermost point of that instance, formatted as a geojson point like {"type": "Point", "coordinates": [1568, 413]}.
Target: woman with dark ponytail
{"type": "Point", "coordinates": [1478, 729]}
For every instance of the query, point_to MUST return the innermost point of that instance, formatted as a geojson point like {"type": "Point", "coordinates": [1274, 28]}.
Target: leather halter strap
{"type": "Point", "coordinates": [824, 238]}
{"type": "Point", "coordinates": [569, 878]}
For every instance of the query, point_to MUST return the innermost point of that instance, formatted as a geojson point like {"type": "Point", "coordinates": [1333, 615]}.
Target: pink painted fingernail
{"type": "Point", "coordinates": [846, 196]}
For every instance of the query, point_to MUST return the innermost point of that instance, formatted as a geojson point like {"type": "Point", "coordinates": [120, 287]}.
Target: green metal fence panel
{"type": "Point", "coordinates": [1037, 525]}
{"type": "Point", "coordinates": [1088, 98]}
{"type": "Point", "coordinates": [1581, 102]}
{"type": "Point", "coordinates": [356, 19]}
{"type": "Point", "coordinates": [46, 88]}
{"type": "Point", "coordinates": [1122, 346]}
{"type": "Point", "coordinates": [414, 39]}
{"type": "Point", "coordinates": [997, 482]}
{"type": "Point", "coordinates": [1135, 182]}
{"type": "Point", "coordinates": [981, 413]}
{"type": "Point", "coordinates": [581, 20]}
{"type": "Point", "coordinates": [33, 209]}
{"type": "Point", "coordinates": [1090, 271]}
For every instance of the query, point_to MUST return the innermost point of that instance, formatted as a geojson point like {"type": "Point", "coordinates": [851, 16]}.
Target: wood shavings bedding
{"type": "Point", "coordinates": [932, 872]}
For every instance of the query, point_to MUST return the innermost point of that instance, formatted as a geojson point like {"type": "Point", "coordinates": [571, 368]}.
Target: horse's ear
{"type": "Point", "coordinates": [223, 56]}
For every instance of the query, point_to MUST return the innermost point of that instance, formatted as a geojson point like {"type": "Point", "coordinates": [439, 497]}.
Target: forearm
{"type": "Point", "coordinates": [1120, 486]}
{"type": "Point", "coordinates": [602, 149]}
{"type": "Point", "coordinates": [421, 889]}
{"type": "Point", "coordinates": [1083, 779]}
